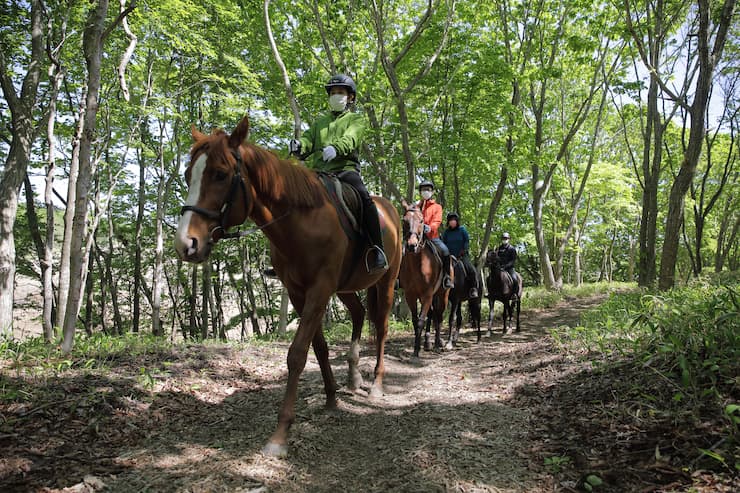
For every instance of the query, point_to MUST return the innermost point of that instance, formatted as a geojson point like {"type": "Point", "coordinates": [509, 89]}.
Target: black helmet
{"type": "Point", "coordinates": [426, 183]}
{"type": "Point", "coordinates": [505, 236]}
{"type": "Point", "coordinates": [341, 80]}
{"type": "Point", "coordinates": [452, 215]}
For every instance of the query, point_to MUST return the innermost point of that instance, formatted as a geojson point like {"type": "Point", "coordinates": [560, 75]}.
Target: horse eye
{"type": "Point", "coordinates": [219, 176]}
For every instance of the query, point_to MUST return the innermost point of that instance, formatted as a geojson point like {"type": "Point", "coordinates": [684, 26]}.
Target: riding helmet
{"type": "Point", "coordinates": [452, 215]}
{"type": "Point", "coordinates": [341, 80]}
{"type": "Point", "coordinates": [426, 183]}
{"type": "Point", "coordinates": [505, 236]}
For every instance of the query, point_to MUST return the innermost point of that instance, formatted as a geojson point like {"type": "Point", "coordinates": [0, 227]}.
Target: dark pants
{"type": "Point", "coordinates": [370, 214]}
{"type": "Point", "coordinates": [514, 277]}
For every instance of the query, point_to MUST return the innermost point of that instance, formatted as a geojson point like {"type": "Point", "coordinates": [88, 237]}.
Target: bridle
{"type": "Point", "coordinates": [220, 215]}
{"type": "Point", "coordinates": [421, 237]}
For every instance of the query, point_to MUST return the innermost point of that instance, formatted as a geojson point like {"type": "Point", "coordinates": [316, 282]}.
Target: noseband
{"type": "Point", "coordinates": [236, 182]}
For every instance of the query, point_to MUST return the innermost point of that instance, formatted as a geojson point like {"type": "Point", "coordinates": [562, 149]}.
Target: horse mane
{"type": "Point", "coordinates": [274, 180]}
{"type": "Point", "coordinates": [282, 181]}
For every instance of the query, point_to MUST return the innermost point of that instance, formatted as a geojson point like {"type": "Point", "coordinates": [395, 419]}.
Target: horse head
{"type": "Point", "coordinates": [413, 227]}
{"type": "Point", "coordinates": [217, 193]}
{"type": "Point", "coordinates": [492, 260]}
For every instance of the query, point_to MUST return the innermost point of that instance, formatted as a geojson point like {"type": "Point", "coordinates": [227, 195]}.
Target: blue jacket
{"type": "Point", "coordinates": [457, 240]}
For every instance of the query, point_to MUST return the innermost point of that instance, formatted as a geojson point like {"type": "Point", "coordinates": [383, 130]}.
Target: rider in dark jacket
{"type": "Point", "coordinates": [506, 255]}
{"type": "Point", "coordinates": [458, 242]}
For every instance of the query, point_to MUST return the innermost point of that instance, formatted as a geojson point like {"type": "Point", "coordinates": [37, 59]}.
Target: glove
{"type": "Point", "coordinates": [294, 147]}
{"type": "Point", "coordinates": [427, 228]}
{"type": "Point", "coordinates": [329, 153]}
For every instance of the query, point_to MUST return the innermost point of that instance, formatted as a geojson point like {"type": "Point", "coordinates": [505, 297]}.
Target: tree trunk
{"type": "Point", "coordinates": [23, 134]}
{"type": "Point", "coordinates": [93, 47]}
{"type": "Point", "coordinates": [707, 62]}
{"type": "Point", "coordinates": [205, 300]}
{"type": "Point", "coordinates": [69, 212]}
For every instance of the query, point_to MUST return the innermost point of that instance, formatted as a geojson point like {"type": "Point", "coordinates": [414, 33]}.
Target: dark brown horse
{"type": "Point", "coordinates": [231, 180]}
{"type": "Point", "coordinates": [501, 288]}
{"type": "Point", "coordinates": [421, 279]}
{"type": "Point", "coordinates": [461, 292]}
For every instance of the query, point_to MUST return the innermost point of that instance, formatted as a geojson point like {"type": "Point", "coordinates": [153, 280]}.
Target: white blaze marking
{"type": "Point", "coordinates": [182, 239]}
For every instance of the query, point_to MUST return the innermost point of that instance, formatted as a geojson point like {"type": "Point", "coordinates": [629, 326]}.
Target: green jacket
{"type": "Point", "coordinates": [344, 131]}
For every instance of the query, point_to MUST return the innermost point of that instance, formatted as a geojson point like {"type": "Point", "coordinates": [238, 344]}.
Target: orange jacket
{"type": "Point", "coordinates": [432, 216]}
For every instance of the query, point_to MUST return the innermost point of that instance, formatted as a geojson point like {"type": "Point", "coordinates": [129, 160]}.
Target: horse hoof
{"type": "Point", "coordinates": [275, 450]}
{"type": "Point", "coordinates": [376, 392]}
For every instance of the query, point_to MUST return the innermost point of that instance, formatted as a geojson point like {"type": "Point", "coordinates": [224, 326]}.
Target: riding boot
{"type": "Point", "coordinates": [376, 259]}
{"type": "Point", "coordinates": [446, 266]}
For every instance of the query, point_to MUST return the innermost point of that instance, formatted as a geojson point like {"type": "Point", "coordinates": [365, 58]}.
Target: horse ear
{"type": "Point", "coordinates": [240, 133]}
{"type": "Point", "coordinates": [197, 135]}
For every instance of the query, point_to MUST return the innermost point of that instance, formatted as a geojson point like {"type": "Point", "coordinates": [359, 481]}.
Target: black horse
{"type": "Point", "coordinates": [461, 292]}
{"type": "Point", "coordinates": [501, 288]}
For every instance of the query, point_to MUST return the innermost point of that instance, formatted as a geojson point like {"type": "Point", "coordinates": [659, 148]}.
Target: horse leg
{"type": "Point", "coordinates": [505, 315]}
{"type": "Point", "coordinates": [311, 315]}
{"type": "Point", "coordinates": [357, 311]}
{"type": "Point", "coordinates": [321, 349]}
{"type": "Point", "coordinates": [411, 302]}
{"type": "Point", "coordinates": [439, 311]}
{"type": "Point", "coordinates": [491, 306]}
{"type": "Point", "coordinates": [380, 301]}
{"type": "Point", "coordinates": [459, 321]}
{"type": "Point", "coordinates": [518, 309]}
{"type": "Point", "coordinates": [454, 306]}
{"type": "Point", "coordinates": [424, 323]}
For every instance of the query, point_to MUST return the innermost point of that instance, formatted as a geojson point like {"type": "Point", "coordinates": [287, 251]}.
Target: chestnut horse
{"type": "Point", "coordinates": [501, 288]}
{"type": "Point", "coordinates": [231, 180]}
{"type": "Point", "coordinates": [421, 279]}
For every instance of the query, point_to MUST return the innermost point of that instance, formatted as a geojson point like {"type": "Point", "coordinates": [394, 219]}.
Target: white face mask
{"type": "Point", "coordinates": [337, 102]}
{"type": "Point", "coordinates": [505, 241]}
{"type": "Point", "coordinates": [426, 194]}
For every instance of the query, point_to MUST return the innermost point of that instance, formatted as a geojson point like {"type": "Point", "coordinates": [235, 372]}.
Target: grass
{"type": "Point", "coordinates": [689, 337]}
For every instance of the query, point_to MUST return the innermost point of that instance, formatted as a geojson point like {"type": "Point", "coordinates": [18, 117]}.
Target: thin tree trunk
{"type": "Point", "coordinates": [206, 300]}
{"type": "Point", "coordinates": [69, 212]}
{"type": "Point", "coordinates": [93, 47]}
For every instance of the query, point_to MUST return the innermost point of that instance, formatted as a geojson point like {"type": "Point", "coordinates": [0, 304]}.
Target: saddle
{"type": "Point", "coordinates": [346, 200]}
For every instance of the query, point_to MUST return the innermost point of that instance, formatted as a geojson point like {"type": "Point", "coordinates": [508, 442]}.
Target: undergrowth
{"type": "Point", "coordinates": [688, 337]}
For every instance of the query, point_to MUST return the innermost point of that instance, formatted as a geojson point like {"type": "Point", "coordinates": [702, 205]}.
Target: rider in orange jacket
{"type": "Point", "coordinates": [432, 220]}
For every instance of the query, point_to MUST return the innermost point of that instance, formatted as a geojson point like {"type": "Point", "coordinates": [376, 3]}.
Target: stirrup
{"type": "Point", "coordinates": [380, 254]}
{"type": "Point", "coordinates": [447, 282]}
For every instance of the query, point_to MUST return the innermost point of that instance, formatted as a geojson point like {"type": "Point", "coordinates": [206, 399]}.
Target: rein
{"type": "Point", "coordinates": [220, 215]}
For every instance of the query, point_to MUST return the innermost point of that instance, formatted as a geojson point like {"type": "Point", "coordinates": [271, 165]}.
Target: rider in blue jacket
{"type": "Point", "coordinates": [457, 240]}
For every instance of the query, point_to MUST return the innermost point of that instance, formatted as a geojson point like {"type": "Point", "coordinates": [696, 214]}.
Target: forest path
{"type": "Point", "coordinates": [195, 419]}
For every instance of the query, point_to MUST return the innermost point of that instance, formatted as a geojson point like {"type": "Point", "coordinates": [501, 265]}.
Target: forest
{"type": "Point", "coordinates": [601, 136]}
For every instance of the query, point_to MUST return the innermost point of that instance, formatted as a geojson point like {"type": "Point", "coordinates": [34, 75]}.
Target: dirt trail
{"type": "Point", "coordinates": [195, 420]}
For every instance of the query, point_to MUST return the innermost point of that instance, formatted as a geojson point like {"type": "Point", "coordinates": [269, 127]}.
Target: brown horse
{"type": "Point", "coordinates": [231, 180]}
{"type": "Point", "coordinates": [501, 288]}
{"type": "Point", "coordinates": [421, 279]}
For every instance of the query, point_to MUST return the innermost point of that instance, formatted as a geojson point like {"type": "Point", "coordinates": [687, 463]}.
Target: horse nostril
{"type": "Point", "coordinates": [193, 246]}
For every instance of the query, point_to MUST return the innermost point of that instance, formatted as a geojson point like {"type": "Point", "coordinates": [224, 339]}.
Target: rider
{"type": "Point", "coordinates": [506, 255]}
{"type": "Point", "coordinates": [332, 145]}
{"type": "Point", "coordinates": [457, 240]}
{"type": "Point", "coordinates": [432, 212]}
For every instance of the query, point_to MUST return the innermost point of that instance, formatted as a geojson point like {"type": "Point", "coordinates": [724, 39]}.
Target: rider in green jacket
{"type": "Point", "coordinates": [332, 145]}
